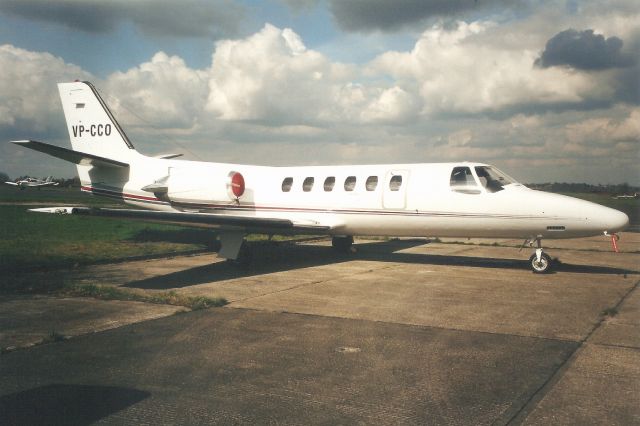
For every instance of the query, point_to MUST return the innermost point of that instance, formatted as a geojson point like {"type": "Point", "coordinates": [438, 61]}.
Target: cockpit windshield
{"type": "Point", "coordinates": [493, 179]}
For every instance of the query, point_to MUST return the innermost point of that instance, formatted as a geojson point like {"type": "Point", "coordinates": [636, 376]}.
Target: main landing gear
{"type": "Point", "coordinates": [234, 248]}
{"type": "Point", "coordinates": [540, 261]}
{"type": "Point", "coordinates": [342, 244]}
{"type": "Point", "coordinates": [244, 257]}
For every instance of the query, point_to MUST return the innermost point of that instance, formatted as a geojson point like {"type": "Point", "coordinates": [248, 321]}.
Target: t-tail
{"type": "Point", "coordinates": [100, 148]}
{"type": "Point", "coordinates": [92, 127]}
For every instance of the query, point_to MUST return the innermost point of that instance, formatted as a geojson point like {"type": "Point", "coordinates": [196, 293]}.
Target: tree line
{"type": "Point", "coordinates": [621, 188]}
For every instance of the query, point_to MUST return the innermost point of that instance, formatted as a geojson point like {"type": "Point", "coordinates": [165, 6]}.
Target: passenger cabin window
{"type": "Point", "coordinates": [329, 183]}
{"type": "Point", "coordinates": [350, 183]}
{"type": "Point", "coordinates": [395, 183]}
{"type": "Point", "coordinates": [307, 185]}
{"type": "Point", "coordinates": [286, 184]}
{"type": "Point", "coordinates": [462, 181]}
{"type": "Point", "coordinates": [492, 179]}
{"type": "Point", "coordinates": [372, 183]}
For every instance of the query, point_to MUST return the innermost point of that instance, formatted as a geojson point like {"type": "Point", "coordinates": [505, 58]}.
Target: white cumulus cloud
{"type": "Point", "coordinates": [394, 105]}
{"type": "Point", "coordinates": [28, 91]}
{"type": "Point", "coordinates": [268, 76]}
{"type": "Point", "coordinates": [458, 71]}
{"type": "Point", "coordinates": [272, 77]}
{"type": "Point", "coordinates": [163, 92]}
{"type": "Point", "coordinates": [605, 130]}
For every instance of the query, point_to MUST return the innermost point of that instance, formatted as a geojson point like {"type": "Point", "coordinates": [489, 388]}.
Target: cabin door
{"type": "Point", "coordinates": [394, 191]}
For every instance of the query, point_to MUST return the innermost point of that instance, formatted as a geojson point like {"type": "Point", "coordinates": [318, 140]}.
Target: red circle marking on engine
{"type": "Point", "coordinates": [237, 184]}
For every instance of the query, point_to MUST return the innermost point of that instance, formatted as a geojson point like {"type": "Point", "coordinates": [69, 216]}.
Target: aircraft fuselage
{"type": "Point", "coordinates": [362, 199]}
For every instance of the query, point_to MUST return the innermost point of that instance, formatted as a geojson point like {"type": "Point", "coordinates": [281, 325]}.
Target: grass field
{"type": "Point", "coordinates": [32, 240]}
{"type": "Point", "coordinates": [10, 194]}
{"type": "Point", "coordinates": [39, 241]}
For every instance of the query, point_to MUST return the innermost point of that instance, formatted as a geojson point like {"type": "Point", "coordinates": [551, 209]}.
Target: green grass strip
{"type": "Point", "coordinates": [165, 298]}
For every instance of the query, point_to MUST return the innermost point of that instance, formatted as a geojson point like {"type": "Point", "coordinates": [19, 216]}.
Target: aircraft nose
{"type": "Point", "coordinates": [616, 221]}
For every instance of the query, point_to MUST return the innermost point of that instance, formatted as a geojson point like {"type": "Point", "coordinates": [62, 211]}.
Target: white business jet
{"type": "Point", "coordinates": [437, 200]}
{"type": "Point", "coordinates": [33, 183]}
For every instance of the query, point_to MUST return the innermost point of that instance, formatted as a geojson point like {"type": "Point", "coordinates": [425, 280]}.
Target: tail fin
{"type": "Point", "coordinates": [92, 127]}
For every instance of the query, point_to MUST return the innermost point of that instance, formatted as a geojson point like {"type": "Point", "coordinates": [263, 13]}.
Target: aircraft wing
{"type": "Point", "coordinates": [76, 157]}
{"type": "Point", "coordinates": [11, 183]}
{"type": "Point", "coordinates": [35, 184]}
{"type": "Point", "coordinates": [247, 224]}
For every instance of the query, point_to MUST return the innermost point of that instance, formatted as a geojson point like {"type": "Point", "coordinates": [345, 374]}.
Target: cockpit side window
{"type": "Point", "coordinates": [492, 179]}
{"type": "Point", "coordinates": [462, 181]}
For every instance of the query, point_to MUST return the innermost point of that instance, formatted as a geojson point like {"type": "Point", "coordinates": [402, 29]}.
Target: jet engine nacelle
{"type": "Point", "coordinates": [184, 185]}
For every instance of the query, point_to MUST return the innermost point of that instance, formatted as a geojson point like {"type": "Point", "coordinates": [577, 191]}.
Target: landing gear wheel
{"type": "Point", "coordinates": [541, 266]}
{"type": "Point", "coordinates": [342, 244]}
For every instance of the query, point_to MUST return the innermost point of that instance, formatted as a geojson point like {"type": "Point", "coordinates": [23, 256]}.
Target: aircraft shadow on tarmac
{"type": "Point", "coordinates": [279, 257]}
{"type": "Point", "coordinates": [66, 404]}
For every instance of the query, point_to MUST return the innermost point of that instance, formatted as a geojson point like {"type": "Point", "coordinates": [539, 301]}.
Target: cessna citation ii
{"type": "Point", "coordinates": [435, 200]}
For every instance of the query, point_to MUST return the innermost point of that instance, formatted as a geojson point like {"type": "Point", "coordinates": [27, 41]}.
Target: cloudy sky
{"type": "Point", "coordinates": [545, 90]}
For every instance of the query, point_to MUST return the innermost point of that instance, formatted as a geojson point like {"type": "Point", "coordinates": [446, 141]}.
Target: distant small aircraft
{"type": "Point", "coordinates": [626, 196]}
{"type": "Point", "coordinates": [431, 200]}
{"type": "Point", "coordinates": [33, 183]}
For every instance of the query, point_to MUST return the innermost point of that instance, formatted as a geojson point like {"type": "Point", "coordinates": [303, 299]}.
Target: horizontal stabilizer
{"type": "Point", "coordinates": [167, 156]}
{"type": "Point", "coordinates": [158, 187]}
{"type": "Point", "coordinates": [246, 223]}
{"type": "Point", "coordinates": [75, 157]}
{"type": "Point", "coordinates": [57, 210]}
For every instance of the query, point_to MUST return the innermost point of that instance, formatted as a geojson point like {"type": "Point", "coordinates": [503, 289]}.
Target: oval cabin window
{"type": "Point", "coordinates": [395, 183]}
{"type": "Point", "coordinates": [307, 185]}
{"type": "Point", "coordinates": [329, 183]}
{"type": "Point", "coordinates": [372, 183]}
{"type": "Point", "coordinates": [287, 183]}
{"type": "Point", "coordinates": [350, 183]}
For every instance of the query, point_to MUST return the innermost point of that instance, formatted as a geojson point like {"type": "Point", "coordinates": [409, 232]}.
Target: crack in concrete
{"type": "Point", "coordinates": [520, 416]}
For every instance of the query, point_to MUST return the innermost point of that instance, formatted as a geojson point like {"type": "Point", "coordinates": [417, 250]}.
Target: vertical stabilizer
{"type": "Point", "coordinates": [92, 127]}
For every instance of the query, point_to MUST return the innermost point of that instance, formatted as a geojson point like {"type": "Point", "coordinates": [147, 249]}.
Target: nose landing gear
{"type": "Point", "coordinates": [540, 262]}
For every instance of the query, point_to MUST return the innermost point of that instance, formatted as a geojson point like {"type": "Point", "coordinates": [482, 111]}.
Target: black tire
{"type": "Point", "coordinates": [542, 267]}
{"type": "Point", "coordinates": [342, 244]}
